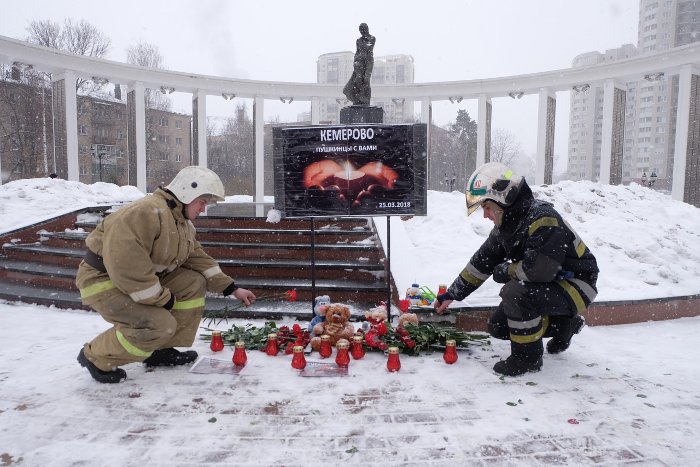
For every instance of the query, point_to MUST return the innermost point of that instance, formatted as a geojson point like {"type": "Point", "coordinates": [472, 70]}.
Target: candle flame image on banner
{"type": "Point", "coordinates": [380, 174]}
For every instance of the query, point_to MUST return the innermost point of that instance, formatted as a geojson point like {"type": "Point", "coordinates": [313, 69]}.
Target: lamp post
{"type": "Point", "coordinates": [649, 182]}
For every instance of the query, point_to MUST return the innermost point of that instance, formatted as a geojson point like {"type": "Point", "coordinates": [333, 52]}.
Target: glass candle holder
{"type": "Point", "coordinates": [217, 342]}
{"type": "Point", "coordinates": [298, 359]}
{"type": "Point", "coordinates": [450, 355]}
{"type": "Point", "coordinates": [358, 348]}
{"type": "Point", "coordinates": [393, 363]}
{"type": "Point", "coordinates": [272, 348]}
{"type": "Point", "coordinates": [239, 356]}
{"type": "Point", "coordinates": [326, 350]}
{"type": "Point", "coordinates": [342, 356]}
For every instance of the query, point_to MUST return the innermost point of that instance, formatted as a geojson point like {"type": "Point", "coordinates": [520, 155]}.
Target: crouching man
{"type": "Point", "coordinates": [147, 275]}
{"type": "Point", "coordinates": [549, 274]}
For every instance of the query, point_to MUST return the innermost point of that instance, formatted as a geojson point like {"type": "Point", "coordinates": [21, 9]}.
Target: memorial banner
{"type": "Point", "coordinates": [350, 170]}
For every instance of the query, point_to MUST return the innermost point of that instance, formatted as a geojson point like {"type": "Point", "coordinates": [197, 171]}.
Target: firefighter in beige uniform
{"type": "Point", "coordinates": [147, 275]}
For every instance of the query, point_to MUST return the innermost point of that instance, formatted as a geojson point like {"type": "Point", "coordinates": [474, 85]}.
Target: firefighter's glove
{"type": "Point", "coordinates": [444, 296]}
{"type": "Point", "coordinates": [500, 273]}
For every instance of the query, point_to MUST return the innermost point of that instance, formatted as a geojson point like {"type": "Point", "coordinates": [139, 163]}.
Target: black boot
{"type": "Point", "coordinates": [513, 366]}
{"type": "Point", "coordinates": [115, 376]}
{"type": "Point", "coordinates": [566, 330]}
{"type": "Point", "coordinates": [170, 357]}
{"type": "Point", "coordinates": [524, 358]}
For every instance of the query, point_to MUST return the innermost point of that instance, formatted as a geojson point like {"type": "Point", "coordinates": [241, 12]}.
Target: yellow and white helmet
{"type": "Point", "coordinates": [194, 181]}
{"type": "Point", "coordinates": [495, 182]}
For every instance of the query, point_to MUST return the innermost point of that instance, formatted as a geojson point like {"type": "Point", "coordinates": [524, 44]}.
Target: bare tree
{"type": "Point", "coordinates": [505, 148]}
{"type": "Point", "coordinates": [78, 37]}
{"type": "Point", "coordinates": [231, 152]}
{"type": "Point", "coordinates": [148, 56]}
{"type": "Point", "coordinates": [25, 107]}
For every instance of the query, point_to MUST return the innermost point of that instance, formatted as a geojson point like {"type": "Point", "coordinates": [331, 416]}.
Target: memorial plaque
{"type": "Point", "coordinates": [350, 170]}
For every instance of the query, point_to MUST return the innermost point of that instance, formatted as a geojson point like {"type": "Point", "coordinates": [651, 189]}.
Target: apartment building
{"type": "Point", "coordinates": [27, 139]}
{"type": "Point", "coordinates": [650, 103]}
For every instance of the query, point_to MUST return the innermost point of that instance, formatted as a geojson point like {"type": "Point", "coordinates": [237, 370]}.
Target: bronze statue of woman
{"type": "Point", "coordinates": [358, 90]}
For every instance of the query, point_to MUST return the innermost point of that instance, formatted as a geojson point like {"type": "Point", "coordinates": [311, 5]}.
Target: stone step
{"type": "Point", "coordinates": [233, 254]}
{"type": "Point", "coordinates": [219, 307]}
{"type": "Point", "coordinates": [262, 256]}
{"type": "Point", "coordinates": [61, 267]}
{"type": "Point", "coordinates": [250, 235]}
{"type": "Point", "coordinates": [350, 292]}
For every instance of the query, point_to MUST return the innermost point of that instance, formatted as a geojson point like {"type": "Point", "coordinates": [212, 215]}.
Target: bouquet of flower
{"type": "Point", "coordinates": [424, 336]}
{"type": "Point", "coordinates": [297, 336]}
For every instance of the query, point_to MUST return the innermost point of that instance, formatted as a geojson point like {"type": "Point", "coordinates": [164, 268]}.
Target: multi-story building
{"type": "Point", "coordinates": [586, 116]}
{"type": "Point", "coordinates": [650, 104]}
{"type": "Point", "coordinates": [26, 139]}
{"type": "Point", "coordinates": [337, 68]}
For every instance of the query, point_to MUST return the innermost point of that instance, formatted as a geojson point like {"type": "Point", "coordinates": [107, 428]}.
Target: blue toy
{"type": "Point", "coordinates": [320, 304]}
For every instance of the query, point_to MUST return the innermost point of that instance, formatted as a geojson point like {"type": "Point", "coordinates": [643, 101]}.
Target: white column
{"type": "Point", "coordinates": [541, 155]}
{"type": "Point", "coordinates": [202, 128]}
{"type": "Point", "coordinates": [71, 113]}
{"type": "Point", "coordinates": [426, 116]}
{"type": "Point", "coordinates": [680, 158]}
{"type": "Point", "coordinates": [607, 130]}
{"type": "Point", "coordinates": [315, 110]}
{"type": "Point", "coordinates": [259, 151]}
{"type": "Point", "coordinates": [425, 113]}
{"type": "Point", "coordinates": [140, 124]}
{"type": "Point", "coordinates": [482, 130]}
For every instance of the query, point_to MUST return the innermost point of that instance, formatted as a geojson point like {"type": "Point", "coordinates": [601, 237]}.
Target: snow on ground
{"type": "Point", "coordinates": [620, 394]}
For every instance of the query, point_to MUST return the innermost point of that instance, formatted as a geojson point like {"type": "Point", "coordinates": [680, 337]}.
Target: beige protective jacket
{"type": "Point", "coordinates": [139, 242]}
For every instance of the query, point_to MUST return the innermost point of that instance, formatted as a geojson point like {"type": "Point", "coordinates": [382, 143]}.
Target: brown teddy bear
{"type": "Point", "coordinates": [336, 325]}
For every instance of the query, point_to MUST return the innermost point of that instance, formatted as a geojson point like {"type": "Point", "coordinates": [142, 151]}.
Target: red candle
{"type": "Point", "coordinates": [326, 350]}
{"type": "Point", "coordinates": [358, 350]}
{"type": "Point", "coordinates": [442, 288]}
{"type": "Point", "coordinates": [239, 356]}
{"type": "Point", "coordinates": [217, 342]}
{"type": "Point", "coordinates": [272, 347]}
{"type": "Point", "coordinates": [393, 363]}
{"type": "Point", "coordinates": [342, 357]}
{"type": "Point", "coordinates": [298, 360]}
{"type": "Point", "coordinates": [450, 355]}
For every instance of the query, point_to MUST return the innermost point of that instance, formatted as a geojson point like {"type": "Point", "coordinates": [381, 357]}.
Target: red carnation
{"type": "Point", "coordinates": [291, 295]}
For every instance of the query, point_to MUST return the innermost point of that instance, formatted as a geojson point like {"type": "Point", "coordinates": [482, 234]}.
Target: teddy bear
{"type": "Point", "coordinates": [337, 325]}
{"type": "Point", "coordinates": [320, 304]}
{"type": "Point", "coordinates": [404, 319]}
{"type": "Point", "coordinates": [375, 327]}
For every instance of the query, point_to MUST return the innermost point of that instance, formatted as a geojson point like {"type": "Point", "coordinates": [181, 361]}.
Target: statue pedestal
{"type": "Point", "coordinates": [354, 114]}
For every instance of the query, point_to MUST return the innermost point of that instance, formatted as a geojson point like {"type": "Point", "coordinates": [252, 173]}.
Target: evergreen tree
{"type": "Point", "coordinates": [463, 152]}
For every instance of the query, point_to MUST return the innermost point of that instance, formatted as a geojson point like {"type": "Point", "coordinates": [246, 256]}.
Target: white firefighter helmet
{"type": "Point", "coordinates": [495, 182]}
{"type": "Point", "coordinates": [194, 181]}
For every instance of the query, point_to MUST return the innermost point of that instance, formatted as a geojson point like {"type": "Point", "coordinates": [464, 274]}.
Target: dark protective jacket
{"type": "Point", "coordinates": [139, 243]}
{"type": "Point", "coordinates": [540, 246]}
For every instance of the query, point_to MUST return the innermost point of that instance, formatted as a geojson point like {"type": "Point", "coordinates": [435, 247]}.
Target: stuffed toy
{"type": "Point", "coordinates": [404, 319]}
{"type": "Point", "coordinates": [320, 304]}
{"type": "Point", "coordinates": [336, 325]}
{"type": "Point", "coordinates": [375, 327]}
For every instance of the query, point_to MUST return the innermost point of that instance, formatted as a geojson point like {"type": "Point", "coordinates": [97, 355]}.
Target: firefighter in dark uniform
{"type": "Point", "coordinates": [549, 274]}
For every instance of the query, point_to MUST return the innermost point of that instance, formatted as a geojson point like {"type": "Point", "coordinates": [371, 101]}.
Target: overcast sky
{"type": "Point", "coordinates": [281, 40]}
